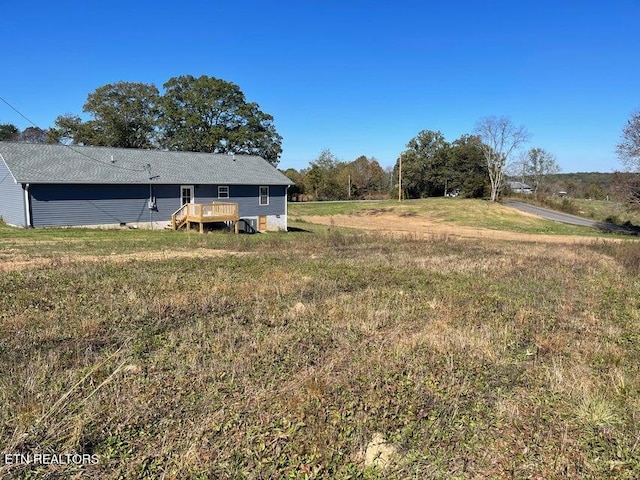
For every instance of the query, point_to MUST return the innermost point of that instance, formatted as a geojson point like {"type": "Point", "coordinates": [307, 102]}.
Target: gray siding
{"type": "Point", "coordinates": [59, 205]}
{"type": "Point", "coordinates": [11, 198]}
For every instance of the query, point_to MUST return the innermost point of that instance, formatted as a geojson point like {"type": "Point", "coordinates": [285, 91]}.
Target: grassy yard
{"type": "Point", "coordinates": [450, 211]}
{"type": "Point", "coordinates": [284, 355]}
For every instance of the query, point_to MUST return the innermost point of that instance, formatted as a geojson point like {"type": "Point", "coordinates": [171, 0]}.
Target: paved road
{"type": "Point", "coordinates": [565, 217]}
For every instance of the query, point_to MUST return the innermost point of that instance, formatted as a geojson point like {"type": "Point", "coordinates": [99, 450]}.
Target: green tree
{"type": "Point", "coordinates": [322, 179]}
{"type": "Point", "coordinates": [124, 114]}
{"type": "Point", "coordinates": [8, 131]}
{"type": "Point", "coordinates": [424, 164]}
{"type": "Point", "coordinates": [467, 172]}
{"type": "Point", "coordinates": [207, 114]}
{"type": "Point", "coordinates": [295, 191]}
{"type": "Point", "coordinates": [500, 139]}
{"type": "Point", "coordinates": [594, 191]}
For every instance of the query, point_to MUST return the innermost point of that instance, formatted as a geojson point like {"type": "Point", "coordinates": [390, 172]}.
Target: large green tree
{"type": "Point", "coordinates": [466, 168]}
{"type": "Point", "coordinates": [124, 114]}
{"type": "Point", "coordinates": [207, 114]}
{"type": "Point", "coordinates": [424, 165]}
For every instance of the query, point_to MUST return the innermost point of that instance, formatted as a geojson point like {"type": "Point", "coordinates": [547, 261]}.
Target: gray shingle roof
{"type": "Point", "coordinates": [519, 186]}
{"type": "Point", "coordinates": [42, 163]}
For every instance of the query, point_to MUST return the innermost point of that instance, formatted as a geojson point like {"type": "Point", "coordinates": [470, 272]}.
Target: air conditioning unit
{"type": "Point", "coordinates": [248, 225]}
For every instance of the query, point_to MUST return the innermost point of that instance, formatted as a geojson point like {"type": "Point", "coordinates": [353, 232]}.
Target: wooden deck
{"type": "Point", "coordinates": [202, 213]}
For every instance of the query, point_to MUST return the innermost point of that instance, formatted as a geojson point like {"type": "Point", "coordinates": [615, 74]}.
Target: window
{"type": "Point", "coordinates": [223, 191]}
{"type": "Point", "coordinates": [186, 194]}
{"type": "Point", "coordinates": [264, 195]}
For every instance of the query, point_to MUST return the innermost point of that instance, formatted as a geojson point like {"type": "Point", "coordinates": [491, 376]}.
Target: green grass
{"type": "Point", "coordinates": [599, 210]}
{"type": "Point", "coordinates": [474, 358]}
{"type": "Point", "coordinates": [457, 212]}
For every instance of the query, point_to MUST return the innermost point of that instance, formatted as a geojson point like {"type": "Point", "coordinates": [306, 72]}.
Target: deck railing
{"type": "Point", "coordinates": [179, 217]}
{"type": "Point", "coordinates": [204, 213]}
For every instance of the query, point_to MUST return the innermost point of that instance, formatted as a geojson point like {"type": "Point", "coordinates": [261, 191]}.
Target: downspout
{"type": "Point", "coordinates": [27, 206]}
{"type": "Point", "coordinates": [286, 207]}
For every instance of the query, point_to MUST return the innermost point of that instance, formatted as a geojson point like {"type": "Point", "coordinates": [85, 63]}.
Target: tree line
{"type": "Point", "coordinates": [327, 178]}
{"type": "Point", "coordinates": [475, 165]}
{"type": "Point", "coordinates": [203, 114]}
{"type": "Point", "coordinates": [207, 114]}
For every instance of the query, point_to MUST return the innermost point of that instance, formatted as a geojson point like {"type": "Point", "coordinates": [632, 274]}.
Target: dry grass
{"type": "Point", "coordinates": [471, 358]}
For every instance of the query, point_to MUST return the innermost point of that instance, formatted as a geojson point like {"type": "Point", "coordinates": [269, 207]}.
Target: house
{"type": "Point", "coordinates": [520, 187]}
{"type": "Point", "coordinates": [58, 185]}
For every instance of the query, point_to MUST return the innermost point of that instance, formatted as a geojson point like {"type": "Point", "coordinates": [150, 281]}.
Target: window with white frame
{"type": "Point", "coordinates": [223, 191]}
{"type": "Point", "coordinates": [264, 195]}
{"type": "Point", "coordinates": [186, 193]}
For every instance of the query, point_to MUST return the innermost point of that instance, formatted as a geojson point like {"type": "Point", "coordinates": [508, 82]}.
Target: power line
{"type": "Point", "coordinates": [18, 112]}
{"type": "Point", "coordinates": [109, 164]}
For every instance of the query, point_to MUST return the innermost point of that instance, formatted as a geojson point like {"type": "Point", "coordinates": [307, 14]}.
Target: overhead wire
{"type": "Point", "coordinates": [108, 164]}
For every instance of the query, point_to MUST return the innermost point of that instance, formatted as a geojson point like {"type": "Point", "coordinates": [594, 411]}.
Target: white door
{"type": "Point", "coordinates": [186, 194]}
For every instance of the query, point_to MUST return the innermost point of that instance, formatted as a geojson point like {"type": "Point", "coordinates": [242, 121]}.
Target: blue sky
{"type": "Point", "coordinates": [357, 77]}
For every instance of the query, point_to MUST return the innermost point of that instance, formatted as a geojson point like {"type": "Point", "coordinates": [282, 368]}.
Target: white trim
{"type": "Point", "coordinates": [260, 195]}
{"type": "Point", "coordinates": [286, 205]}
{"type": "Point", "coordinates": [27, 205]}
{"type": "Point", "coordinates": [8, 169]}
{"type": "Point", "coordinates": [193, 193]}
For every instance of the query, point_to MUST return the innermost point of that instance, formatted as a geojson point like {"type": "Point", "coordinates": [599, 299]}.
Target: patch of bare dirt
{"type": "Point", "coordinates": [422, 227]}
{"type": "Point", "coordinates": [22, 262]}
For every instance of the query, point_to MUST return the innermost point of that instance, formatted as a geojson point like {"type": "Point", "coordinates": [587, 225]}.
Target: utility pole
{"type": "Point", "coordinates": [349, 190]}
{"type": "Point", "coordinates": [400, 179]}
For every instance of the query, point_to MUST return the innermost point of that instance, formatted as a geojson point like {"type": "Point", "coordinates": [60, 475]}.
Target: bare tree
{"type": "Point", "coordinates": [500, 138]}
{"type": "Point", "coordinates": [629, 147]}
{"type": "Point", "coordinates": [33, 135]}
{"type": "Point", "coordinates": [538, 164]}
{"type": "Point", "coordinates": [626, 188]}
{"type": "Point", "coordinates": [628, 184]}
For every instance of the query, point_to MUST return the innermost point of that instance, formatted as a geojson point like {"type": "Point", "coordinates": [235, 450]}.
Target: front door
{"type": "Point", "coordinates": [186, 194]}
